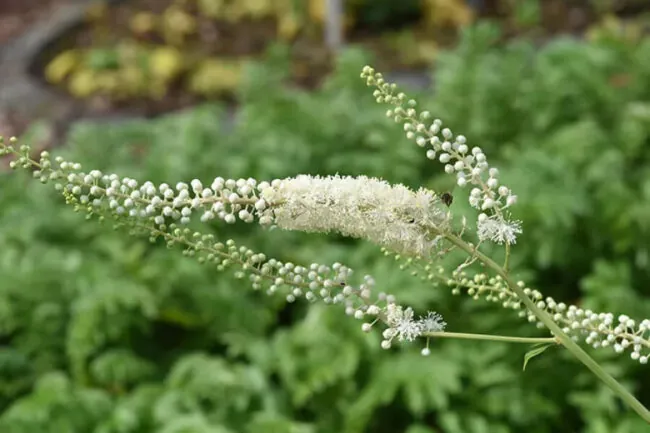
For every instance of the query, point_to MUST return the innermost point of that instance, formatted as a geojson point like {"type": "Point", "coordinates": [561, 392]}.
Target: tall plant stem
{"type": "Point", "coordinates": [561, 336]}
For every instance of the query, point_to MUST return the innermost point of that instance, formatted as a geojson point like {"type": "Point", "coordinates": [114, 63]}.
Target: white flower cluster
{"type": "Point", "coordinates": [227, 199]}
{"type": "Point", "coordinates": [394, 217]}
{"type": "Point", "coordinates": [602, 329]}
{"type": "Point", "coordinates": [331, 285]}
{"type": "Point", "coordinates": [403, 326]}
{"type": "Point", "coordinates": [470, 166]}
{"type": "Point", "coordinates": [391, 216]}
{"type": "Point", "coordinates": [359, 207]}
{"type": "Point", "coordinates": [596, 329]}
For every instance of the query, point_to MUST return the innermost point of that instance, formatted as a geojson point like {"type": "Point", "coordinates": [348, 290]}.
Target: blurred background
{"type": "Point", "coordinates": [105, 333]}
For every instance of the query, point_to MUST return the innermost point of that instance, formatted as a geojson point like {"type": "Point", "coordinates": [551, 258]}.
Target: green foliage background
{"type": "Point", "coordinates": [104, 333]}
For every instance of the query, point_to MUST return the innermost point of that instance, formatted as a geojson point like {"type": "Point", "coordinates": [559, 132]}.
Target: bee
{"type": "Point", "coordinates": [447, 198]}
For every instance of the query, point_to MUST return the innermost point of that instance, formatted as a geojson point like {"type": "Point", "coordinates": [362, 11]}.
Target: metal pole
{"type": "Point", "coordinates": [334, 24]}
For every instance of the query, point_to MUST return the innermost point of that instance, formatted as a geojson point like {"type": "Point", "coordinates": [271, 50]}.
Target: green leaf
{"type": "Point", "coordinates": [537, 350]}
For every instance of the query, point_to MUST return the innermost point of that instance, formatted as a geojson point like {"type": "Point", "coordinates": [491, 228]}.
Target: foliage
{"type": "Point", "coordinates": [106, 333]}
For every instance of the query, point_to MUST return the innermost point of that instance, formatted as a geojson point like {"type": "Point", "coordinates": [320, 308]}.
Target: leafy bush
{"type": "Point", "coordinates": [107, 333]}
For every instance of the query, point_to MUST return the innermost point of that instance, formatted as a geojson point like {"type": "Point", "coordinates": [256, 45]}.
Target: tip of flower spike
{"type": "Point", "coordinates": [12, 140]}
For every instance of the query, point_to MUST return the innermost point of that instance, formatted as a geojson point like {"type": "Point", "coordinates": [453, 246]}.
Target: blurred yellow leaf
{"type": "Point", "coordinates": [257, 8]}
{"type": "Point", "coordinates": [317, 10]}
{"type": "Point", "coordinates": [211, 8]}
{"type": "Point", "coordinates": [427, 51]}
{"type": "Point", "coordinates": [288, 26]}
{"type": "Point", "coordinates": [611, 27]}
{"type": "Point", "coordinates": [215, 77]}
{"type": "Point", "coordinates": [177, 24]}
{"type": "Point", "coordinates": [107, 82]}
{"type": "Point", "coordinates": [132, 80]}
{"type": "Point", "coordinates": [61, 66]}
{"type": "Point", "coordinates": [128, 49]}
{"type": "Point", "coordinates": [440, 13]}
{"type": "Point", "coordinates": [82, 83]}
{"type": "Point", "coordinates": [411, 49]}
{"type": "Point", "coordinates": [143, 22]}
{"type": "Point", "coordinates": [165, 63]}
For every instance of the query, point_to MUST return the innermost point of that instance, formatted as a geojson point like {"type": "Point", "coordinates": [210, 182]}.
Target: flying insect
{"type": "Point", "coordinates": [447, 198]}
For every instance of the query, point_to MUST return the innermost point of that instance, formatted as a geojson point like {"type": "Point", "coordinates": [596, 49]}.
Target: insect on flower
{"type": "Point", "coordinates": [447, 198]}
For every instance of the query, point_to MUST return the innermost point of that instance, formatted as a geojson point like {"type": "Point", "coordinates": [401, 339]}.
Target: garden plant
{"type": "Point", "coordinates": [470, 238]}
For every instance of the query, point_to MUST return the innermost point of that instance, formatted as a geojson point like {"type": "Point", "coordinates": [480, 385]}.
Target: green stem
{"type": "Point", "coordinates": [563, 338]}
{"type": "Point", "coordinates": [507, 260]}
{"type": "Point", "coordinates": [505, 338]}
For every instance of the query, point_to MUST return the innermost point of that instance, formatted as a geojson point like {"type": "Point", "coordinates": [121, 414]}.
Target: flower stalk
{"type": "Point", "coordinates": [562, 337]}
{"type": "Point", "coordinates": [489, 337]}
